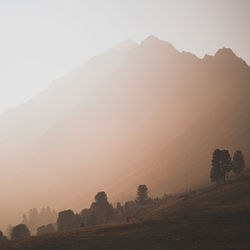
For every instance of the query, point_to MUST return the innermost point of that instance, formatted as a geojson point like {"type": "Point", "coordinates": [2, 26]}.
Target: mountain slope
{"type": "Point", "coordinates": [152, 116]}
{"type": "Point", "coordinates": [157, 94]}
{"type": "Point", "coordinates": [20, 127]}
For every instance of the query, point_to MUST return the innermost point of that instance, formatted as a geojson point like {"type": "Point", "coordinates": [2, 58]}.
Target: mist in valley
{"type": "Point", "coordinates": [143, 115]}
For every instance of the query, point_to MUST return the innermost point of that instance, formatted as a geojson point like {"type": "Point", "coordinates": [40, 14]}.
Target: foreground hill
{"type": "Point", "coordinates": [216, 217]}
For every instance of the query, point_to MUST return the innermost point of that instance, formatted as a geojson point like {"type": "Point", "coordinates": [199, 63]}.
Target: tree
{"type": "Point", "coordinates": [88, 217]}
{"type": "Point", "coordinates": [226, 163]}
{"type": "Point", "coordinates": [2, 237]}
{"type": "Point", "coordinates": [46, 229]}
{"type": "Point", "coordinates": [8, 231]}
{"type": "Point", "coordinates": [118, 206]}
{"type": "Point", "coordinates": [130, 208]}
{"type": "Point", "coordinates": [33, 215]}
{"type": "Point", "coordinates": [41, 230]}
{"type": "Point", "coordinates": [221, 164]}
{"type": "Point", "coordinates": [142, 195]}
{"type": "Point", "coordinates": [91, 219]}
{"type": "Point", "coordinates": [68, 220]}
{"type": "Point", "coordinates": [216, 170]}
{"type": "Point", "coordinates": [101, 199]}
{"type": "Point", "coordinates": [101, 209]}
{"type": "Point", "coordinates": [50, 228]}
{"type": "Point", "coordinates": [20, 231]}
{"type": "Point", "coordinates": [238, 162]}
{"type": "Point", "coordinates": [35, 219]}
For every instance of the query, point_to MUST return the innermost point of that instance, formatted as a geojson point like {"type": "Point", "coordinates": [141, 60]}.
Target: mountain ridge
{"type": "Point", "coordinates": [122, 123]}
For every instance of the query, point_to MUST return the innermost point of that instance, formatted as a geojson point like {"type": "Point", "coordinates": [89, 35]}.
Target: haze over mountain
{"type": "Point", "coordinates": [137, 114]}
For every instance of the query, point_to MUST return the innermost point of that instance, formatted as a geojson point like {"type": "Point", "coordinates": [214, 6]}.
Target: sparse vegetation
{"type": "Point", "coordinates": [144, 210]}
{"type": "Point", "coordinates": [216, 212]}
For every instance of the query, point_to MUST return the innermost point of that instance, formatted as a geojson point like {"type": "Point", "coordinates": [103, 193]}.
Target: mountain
{"type": "Point", "coordinates": [20, 127]}
{"type": "Point", "coordinates": [142, 113]}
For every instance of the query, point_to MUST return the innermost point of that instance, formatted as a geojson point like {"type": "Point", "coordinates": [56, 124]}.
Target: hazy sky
{"type": "Point", "coordinates": [44, 39]}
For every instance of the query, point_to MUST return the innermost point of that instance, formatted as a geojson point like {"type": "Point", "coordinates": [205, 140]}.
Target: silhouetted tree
{"type": "Point", "coordinates": [68, 220]}
{"type": "Point", "coordinates": [104, 210]}
{"type": "Point", "coordinates": [46, 229]}
{"type": "Point", "coordinates": [226, 163]}
{"type": "Point", "coordinates": [118, 205]}
{"type": "Point", "coordinates": [51, 228]}
{"type": "Point", "coordinates": [85, 215]}
{"type": "Point", "coordinates": [88, 215]}
{"type": "Point", "coordinates": [92, 218]}
{"type": "Point", "coordinates": [142, 195]}
{"type": "Point", "coordinates": [20, 231]}
{"type": "Point", "coordinates": [8, 231]}
{"type": "Point", "coordinates": [2, 237]}
{"type": "Point", "coordinates": [33, 215]}
{"type": "Point", "coordinates": [101, 200]}
{"type": "Point", "coordinates": [216, 170]}
{"type": "Point", "coordinates": [130, 208]}
{"type": "Point", "coordinates": [41, 230]}
{"type": "Point", "coordinates": [36, 218]}
{"type": "Point", "coordinates": [238, 162]}
{"type": "Point", "coordinates": [101, 211]}
{"type": "Point", "coordinates": [78, 221]}
{"type": "Point", "coordinates": [221, 164]}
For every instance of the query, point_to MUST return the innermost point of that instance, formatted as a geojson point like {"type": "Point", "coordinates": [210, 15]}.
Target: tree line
{"type": "Point", "coordinates": [99, 212]}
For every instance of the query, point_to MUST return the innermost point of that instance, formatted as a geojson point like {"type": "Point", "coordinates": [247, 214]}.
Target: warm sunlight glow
{"type": "Point", "coordinates": [123, 120]}
{"type": "Point", "coordinates": [43, 40]}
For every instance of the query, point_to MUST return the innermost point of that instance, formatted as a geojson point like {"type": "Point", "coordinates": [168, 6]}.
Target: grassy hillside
{"type": "Point", "coordinates": [215, 217]}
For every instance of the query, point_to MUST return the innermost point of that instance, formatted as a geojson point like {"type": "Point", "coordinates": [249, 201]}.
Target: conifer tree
{"type": "Point", "coordinates": [238, 162]}
{"type": "Point", "coordinates": [142, 194]}
{"type": "Point", "coordinates": [226, 163]}
{"type": "Point", "coordinates": [216, 170]}
{"type": "Point", "coordinates": [221, 165]}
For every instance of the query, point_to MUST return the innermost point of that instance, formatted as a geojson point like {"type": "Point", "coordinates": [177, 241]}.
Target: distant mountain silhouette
{"type": "Point", "coordinates": [137, 114]}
